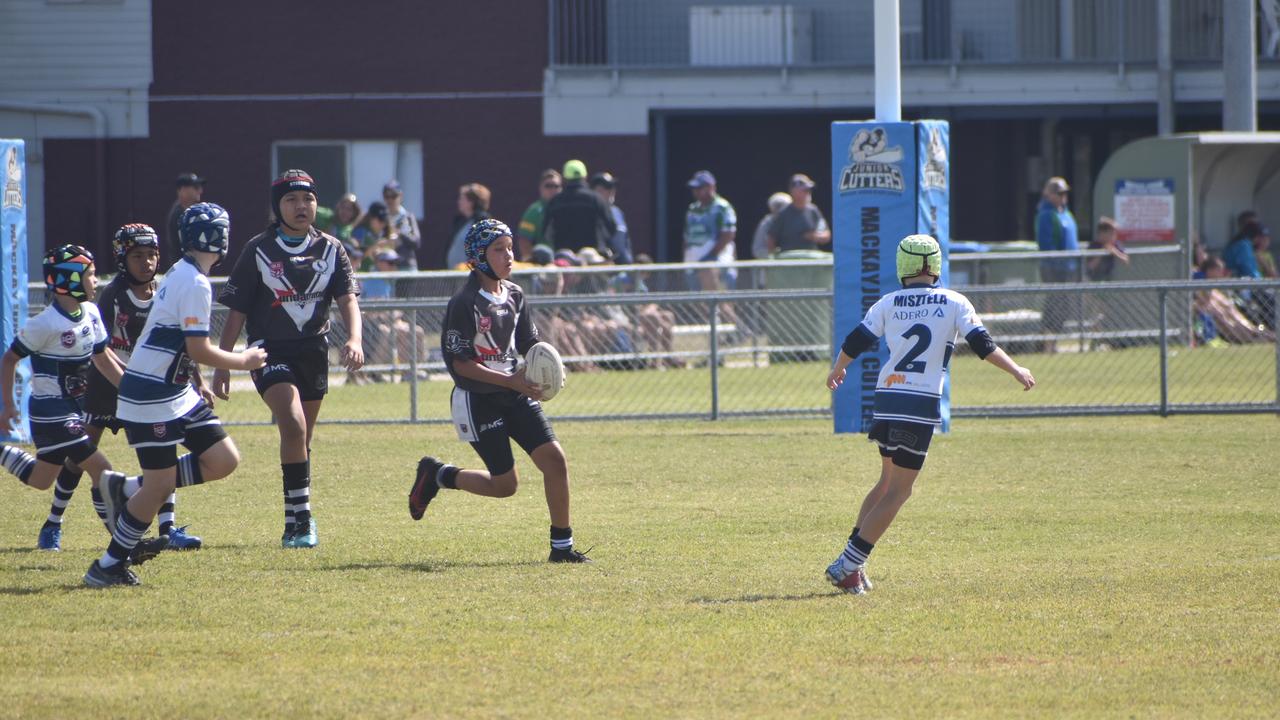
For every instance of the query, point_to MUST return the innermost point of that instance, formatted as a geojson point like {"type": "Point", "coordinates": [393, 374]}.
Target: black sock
{"type": "Point", "coordinates": [561, 538]}
{"type": "Point", "coordinates": [854, 534]}
{"type": "Point", "coordinates": [297, 492]}
{"type": "Point", "coordinates": [447, 477]}
{"type": "Point", "coordinates": [62, 491]}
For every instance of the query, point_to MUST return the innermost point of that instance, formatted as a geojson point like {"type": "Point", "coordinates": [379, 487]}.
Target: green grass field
{"type": "Point", "coordinates": [1113, 567]}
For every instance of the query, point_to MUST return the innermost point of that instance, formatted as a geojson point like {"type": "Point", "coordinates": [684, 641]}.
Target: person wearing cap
{"type": "Point", "coordinates": [710, 225]}
{"type": "Point", "coordinates": [529, 231]}
{"type": "Point", "coordinates": [800, 225]}
{"type": "Point", "coordinates": [190, 187]}
{"type": "Point", "coordinates": [606, 186]}
{"type": "Point", "coordinates": [403, 224]}
{"type": "Point", "coordinates": [281, 289]}
{"type": "Point", "coordinates": [1056, 230]}
{"type": "Point", "coordinates": [577, 216]}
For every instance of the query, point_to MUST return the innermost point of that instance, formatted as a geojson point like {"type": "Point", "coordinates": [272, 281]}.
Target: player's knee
{"type": "Point", "coordinates": [506, 484]}
{"type": "Point", "coordinates": [219, 461]}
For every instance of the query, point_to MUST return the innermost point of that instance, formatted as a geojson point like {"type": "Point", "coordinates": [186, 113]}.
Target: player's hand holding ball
{"type": "Point", "coordinates": [544, 369]}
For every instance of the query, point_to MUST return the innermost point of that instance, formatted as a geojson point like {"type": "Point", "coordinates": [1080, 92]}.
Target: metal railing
{"type": "Point", "coordinates": [1095, 348]}
{"type": "Point", "coordinates": [744, 33]}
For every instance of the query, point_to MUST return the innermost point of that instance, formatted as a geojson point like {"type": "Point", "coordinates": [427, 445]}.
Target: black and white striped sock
{"type": "Point", "coordinates": [62, 491]}
{"type": "Point", "coordinates": [856, 552]}
{"type": "Point", "coordinates": [128, 531]}
{"type": "Point", "coordinates": [165, 516]}
{"type": "Point", "coordinates": [297, 492]}
{"type": "Point", "coordinates": [100, 507]}
{"type": "Point", "coordinates": [189, 471]}
{"type": "Point", "coordinates": [561, 538]}
{"type": "Point", "coordinates": [17, 462]}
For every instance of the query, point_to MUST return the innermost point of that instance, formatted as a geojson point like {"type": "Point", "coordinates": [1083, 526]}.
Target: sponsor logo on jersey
{"type": "Point", "coordinates": [491, 426]}
{"type": "Point", "coordinates": [320, 265]}
{"type": "Point", "coordinates": [190, 320]}
{"type": "Point", "coordinates": [292, 296]}
{"type": "Point", "coordinates": [68, 338]}
{"type": "Point", "coordinates": [274, 368]}
{"type": "Point", "coordinates": [277, 271]}
{"type": "Point", "coordinates": [873, 166]}
{"type": "Point", "coordinates": [84, 331]}
{"type": "Point", "coordinates": [485, 324]}
{"type": "Point", "coordinates": [895, 379]}
{"type": "Point", "coordinates": [122, 319]}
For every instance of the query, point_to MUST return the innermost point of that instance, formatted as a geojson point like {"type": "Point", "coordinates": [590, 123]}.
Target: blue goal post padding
{"type": "Point", "coordinates": [888, 180]}
{"type": "Point", "coordinates": [13, 273]}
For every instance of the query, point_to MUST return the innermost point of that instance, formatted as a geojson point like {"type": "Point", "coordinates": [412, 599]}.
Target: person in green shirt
{"type": "Point", "coordinates": [529, 232]}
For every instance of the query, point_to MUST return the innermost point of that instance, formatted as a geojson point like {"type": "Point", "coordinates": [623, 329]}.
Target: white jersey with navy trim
{"type": "Point", "coordinates": [920, 325]}
{"type": "Point", "coordinates": [60, 348]}
{"type": "Point", "coordinates": [156, 387]}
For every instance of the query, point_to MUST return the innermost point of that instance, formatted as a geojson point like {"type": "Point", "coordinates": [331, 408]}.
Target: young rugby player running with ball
{"type": "Point", "coordinates": [920, 323]}
{"type": "Point", "coordinates": [487, 327]}
{"type": "Point", "coordinates": [157, 403]}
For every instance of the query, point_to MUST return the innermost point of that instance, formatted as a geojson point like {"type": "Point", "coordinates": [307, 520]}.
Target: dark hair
{"type": "Point", "coordinates": [478, 195]}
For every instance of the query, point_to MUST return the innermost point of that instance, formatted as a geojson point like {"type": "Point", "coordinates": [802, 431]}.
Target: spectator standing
{"type": "Point", "coordinates": [374, 235]}
{"type": "Point", "coordinates": [1055, 231]}
{"type": "Point", "coordinates": [473, 206]}
{"type": "Point", "coordinates": [619, 244]}
{"type": "Point", "coordinates": [404, 226]}
{"type": "Point", "coordinates": [800, 225]}
{"type": "Point", "coordinates": [760, 240]}
{"type": "Point", "coordinates": [342, 225]}
{"type": "Point", "coordinates": [1104, 238]}
{"type": "Point", "coordinates": [577, 217]}
{"type": "Point", "coordinates": [709, 229]}
{"type": "Point", "coordinates": [529, 232]}
{"type": "Point", "coordinates": [190, 187]}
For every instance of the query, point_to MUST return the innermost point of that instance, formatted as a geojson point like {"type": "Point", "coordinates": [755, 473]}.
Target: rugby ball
{"type": "Point", "coordinates": [542, 365]}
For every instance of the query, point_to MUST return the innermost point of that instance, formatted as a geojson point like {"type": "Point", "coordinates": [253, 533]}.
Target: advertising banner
{"type": "Point", "coordinates": [889, 180]}
{"type": "Point", "coordinates": [1144, 210]}
{"type": "Point", "coordinates": [13, 260]}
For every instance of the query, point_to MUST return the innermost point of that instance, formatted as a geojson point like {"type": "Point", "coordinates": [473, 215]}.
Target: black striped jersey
{"type": "Point", "coordinates": [920, 325]}
{"type": "Point", "coordinates": [488, 329]}
{"type": "Point", "coordinates": [285, 292]}
{"type": "Point", "coordinates": [123, 315]}
{"type": "Point", "coordinates": [60, 347]}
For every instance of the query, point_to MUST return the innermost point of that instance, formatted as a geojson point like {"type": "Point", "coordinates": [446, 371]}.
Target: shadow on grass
{"type": "Point", "coordinates": [431, 566]}
{"type": "Point", "coordinates": [763, 598]}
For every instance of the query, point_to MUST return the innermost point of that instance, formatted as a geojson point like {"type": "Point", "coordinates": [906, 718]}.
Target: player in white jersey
{"type": "Point", "coordinates": [158, 405]}
{"type": "Point", "coordinates": [921, 323]}
{"type": "Point", "coordinates": [61, 341]}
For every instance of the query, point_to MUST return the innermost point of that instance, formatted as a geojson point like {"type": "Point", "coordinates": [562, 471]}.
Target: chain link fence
{"type": "Point", "coordinates": [1095, 348]}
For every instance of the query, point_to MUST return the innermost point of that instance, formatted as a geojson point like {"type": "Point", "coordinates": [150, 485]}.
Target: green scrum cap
{"type": "Point", "coordinates": [917, 254]}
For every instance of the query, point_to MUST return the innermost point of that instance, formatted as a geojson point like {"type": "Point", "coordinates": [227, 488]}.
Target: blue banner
{"type": "Point", "coordinates": [13, 260]}
{"type": "Point", "coordinates": [888, 180]}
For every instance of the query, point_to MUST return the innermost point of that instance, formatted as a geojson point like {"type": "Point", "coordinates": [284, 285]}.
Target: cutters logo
{"type": "Point", "coordinates": [159, 430]}
{"type": "Point", "coordinates": [933, 175]}
{"type": "Point", "coordinates": [485, 324]}
{"type": "Point", "coordinates": [873, 165]}
{"type": "Point", "coordinates": [277, 270]}
{"type": "Point", "coordinates": [12, 180]}
{"type": "Point", "coordinates": [68, 338]}
{"type": "Point", "coordinates": [895, 379]}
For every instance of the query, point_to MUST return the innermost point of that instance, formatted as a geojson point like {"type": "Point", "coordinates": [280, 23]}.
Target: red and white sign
{"type": "Point", "coordinates": [1145, 211]}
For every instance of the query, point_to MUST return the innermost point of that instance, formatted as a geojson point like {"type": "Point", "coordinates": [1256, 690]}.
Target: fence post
{"type": "Point", "coordinates": [1275, 317]}
{"type": "Point", "coordinates": [413, 365]}
{"type": "Point", "coordinates": [715, 359]}
{"type": "Point", "coordinates": [1164, 353]}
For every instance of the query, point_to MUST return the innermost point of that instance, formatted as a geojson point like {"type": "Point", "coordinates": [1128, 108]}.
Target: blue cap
{"type": "Point", "coordinates": [702, 178]}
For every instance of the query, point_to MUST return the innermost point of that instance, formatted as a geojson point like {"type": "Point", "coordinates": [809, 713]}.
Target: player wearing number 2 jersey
{"type": "Point", "coordinates": [921, 323]}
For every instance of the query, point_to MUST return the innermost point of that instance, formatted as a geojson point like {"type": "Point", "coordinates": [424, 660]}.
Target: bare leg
{"type": "Point", "coordinates": [550, 459]}
{"type": "Point", "coordinates": [480, 482]}
{"type": "Point", "coordinates": [897, 491]}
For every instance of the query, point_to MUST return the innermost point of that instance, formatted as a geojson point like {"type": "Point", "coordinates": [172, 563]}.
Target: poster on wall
{"type": "Point", "coordinates": [1144, 210]}
{"type": "Point", "coordinates": [13, 276]}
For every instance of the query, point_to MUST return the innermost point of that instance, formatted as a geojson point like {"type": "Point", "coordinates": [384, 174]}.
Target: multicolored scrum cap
{"type": "Point", "coordinates": [128, 237]}
{"type": "Point", "coordinates": [205, 227]}
{"type": "Point", "coordinates": [287, 182]}
{"type": "Point", "coordinates": [919, 254]}
{"type": "Point", "coordinates": [479, 238]}
{"type": "Point", "coordinates": [64, 269]}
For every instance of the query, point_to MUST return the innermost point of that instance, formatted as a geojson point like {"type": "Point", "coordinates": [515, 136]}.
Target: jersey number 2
{"type": "Point", "coordinates": [923, 337]}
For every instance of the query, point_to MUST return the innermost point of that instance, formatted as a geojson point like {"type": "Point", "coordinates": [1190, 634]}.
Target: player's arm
{"type": "Point", "coordinates": [202, 351]}
{"type": "Point", "coordinates": [108, 363]}
{"type": "Point", "coordinates": [353, 349]}
{"type": "Point", "coordinates": [8, 366]}
{"type": "Point", "coordinates": [986, 349]}
{"type": "Point", "coordinates": [855, 343]}
{"type": "Point", "coordinates": [482, 373]}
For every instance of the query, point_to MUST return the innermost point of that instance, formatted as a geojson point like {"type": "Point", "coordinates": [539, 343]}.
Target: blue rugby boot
{"type": "Point", "coordinates": [50, 537]}
{"type": "Point", "coordinates": [303, 536]}
{"type": "Point", "coordinates": [180, 540]}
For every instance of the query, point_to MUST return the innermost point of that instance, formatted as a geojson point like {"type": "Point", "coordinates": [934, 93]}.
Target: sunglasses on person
{"type": "Point", "coordinates": [551, 186]}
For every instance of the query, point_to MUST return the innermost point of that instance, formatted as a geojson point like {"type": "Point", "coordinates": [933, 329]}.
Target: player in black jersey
{"type": "Point", "coordinates": [282, 285]}
{"type": "Point", "coordinates": [123, 304]}
{"type": "Point", "coordinates": [487, 327]}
